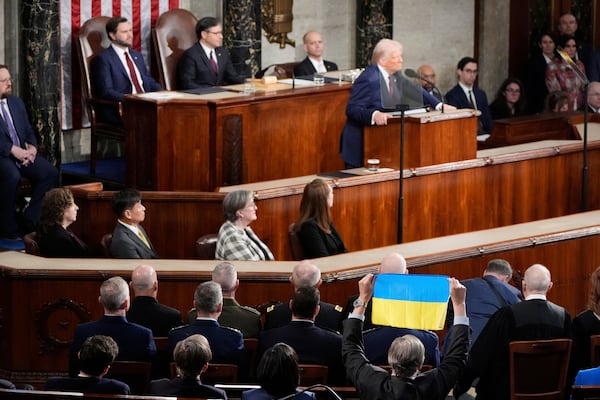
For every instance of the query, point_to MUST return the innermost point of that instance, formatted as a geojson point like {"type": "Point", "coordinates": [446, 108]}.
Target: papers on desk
{"type": "Point", "coordinates": [413, 111]}
{"type": "Point", "coordinates": [482, 138]}
{"type": "Point", "coordinates": [297, 82]}
{"type": "Point", "coordinates": [164, 95]}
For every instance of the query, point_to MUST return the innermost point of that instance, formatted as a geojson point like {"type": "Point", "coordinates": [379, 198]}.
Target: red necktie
{"type": "Point", "coordinates": [215, 67]}
{"type": "Point", "coordinates": [132, 74]}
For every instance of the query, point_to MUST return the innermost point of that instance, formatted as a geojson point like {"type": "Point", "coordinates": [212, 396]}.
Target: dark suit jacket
{"type": "Point", "coordinates": [91, 384]}
{"type": "Point", "coordinates": [194, 69]}
{"type": "Point", "coordinates": [375, 383]}
{"type": "Point", "coordinates": [135, 342]}
{"type": "Point", "coordinates": [306, 68]}
{"type": "Point", "coordinates": [535, 85]}
{"type": "Point", "coordinates": [148, 312]}
{"type": "Point", "coordinates": [377, 342]}
{"type": "Point", "coordinates": [318, 243]}
{"type": "Point", "coordinates": [261, 394]}
{"type": "Point", "coordinates": [365, 99]}
{"type": "Point", "coordinates": [185, 388]}
{"type": "Point", "coordinates": [226, 344]}
{"type": "Point", "coordinates": [329, 316]}
{"type": "Point", "coordinates": [126, 244]}
{"type": "Point", "coordinates": [313, 345]}
{"type": "Point", "coordinates": [592, 68]}
{"type": "Point", "coordinates": [456, 97]}
{"type": "Point", "coordinates": [22, 125]}
{"type": "Point", "coordinates": [59, 242]}
{"type": "Point", "coordinates": [110, 81]}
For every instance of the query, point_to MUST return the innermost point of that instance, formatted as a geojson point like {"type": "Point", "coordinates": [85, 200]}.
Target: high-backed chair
{"type": "Point", "coordinates": [31, 245]}
{"type": "Point", "coordinates": [311, 374]}
{"type": "Point", "coordinates": [105, 243]}
{"type": "Point", "coordinates": [285, 70]}
{"type": "Point", "coordinates": [92, 40]}
{"type": "Point", "coordinates": [594, 349]}
{"type": "Point", "coordinates": [134, 373]}
{"type": "Point", "coordinates": [538, 368]}
{"type": "Point", "coordinates": [585, 392]}
{"type": "Point", "coordinates": [174, 32]}
{"type": "Point", "coordinates": [295, 245]}
{"type": "Point", "coordinates": [215, 373]}
{"type": "Point", "coordinates": [206, 246]}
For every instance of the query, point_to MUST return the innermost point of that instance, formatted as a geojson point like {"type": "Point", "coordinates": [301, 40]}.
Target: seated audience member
{"type": "Point", "coordinates": [427, 74]}
{"type": "Point", "coordinates": [556, 102]}
{"type": "Point", "coordinates": [314, 228]}
{"type": "Point", "coordinates": [536, 73]}
{"type": "Point", "coordinates": [466, 95]}
{"type": "Point", "coordinates": [19, 158]}
{"type": "Point", "coordinates": [129, 238]}
{"type": "Point", "coordinates": [314, 61]}
{"type": "Point", "coordinates": [593, 99]}
{"type": "Point", "coordinates": [278, 375]}
{"type": "Point", "coordinates": [135, 342]}
{"type": "Point", "coordinates": [145, 309]}
{"type": "Point", "coordinates": [313, 345]}
{"type": "Point", "coordinates": [509, 101]}
{"type": "Point", "coordinates": [236, 240]}
{"type": "Point", "coordinates": [119, 70]}
{"type": "Point", "coordinates": [191, 357]}
{"type": "Point", "coordinates": [226, 344]}
{"type": "Point", "coordinates": [95, 356]}
{"type": "Point", "coordinates": [561, 76]}
{"type": "Point", "coordinates": [586, 324]}
{"type": "Point", "coordinates": [377, 342]}
{"type": "Point", "coordinates": [206, 63]}
{"type": "Point", "coordinates": [54, 238]}
{"type": "Point", "coordinates": [568, 26]}
{"type": "Point", "coordinates": [305, 274]}
{"type": "Point", "coordinates": [405, 356]}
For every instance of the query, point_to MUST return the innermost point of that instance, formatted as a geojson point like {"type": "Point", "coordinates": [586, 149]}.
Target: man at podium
{"type": "Point", "coordinates": [380, 87]}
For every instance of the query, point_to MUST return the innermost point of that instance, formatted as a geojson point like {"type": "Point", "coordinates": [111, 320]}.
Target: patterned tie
{"type": "Point", "coordinates": [143, 238]}
{"type": "Point", "coordinates": [132, 74]}
{"type": "Point", "coordinates": [215, 67]}
{"type": "Point", "coordinates": [11, 128]}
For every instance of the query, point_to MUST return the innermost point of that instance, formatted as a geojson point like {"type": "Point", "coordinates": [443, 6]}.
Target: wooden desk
{"type": "Point", "coordinates": [198, 142]}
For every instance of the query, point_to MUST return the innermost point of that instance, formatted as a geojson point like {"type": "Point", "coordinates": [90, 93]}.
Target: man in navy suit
{"type": "Point", "coordinates": [129, 238]}
{"type": "Point", "coordinates": [119, 70]}
{"type": "Point", "coordinates": [135, 342]}
{"type": "Point", "coordinates": [465, 95]}
{"type": "Point", "coordinates": [379, 87]}
{"type": "Point", "coordinates": [18, 158]}
{"type": "Point", "coordinates": [206, 63]}
{"type": "Point", "coordinates": [314, 61]}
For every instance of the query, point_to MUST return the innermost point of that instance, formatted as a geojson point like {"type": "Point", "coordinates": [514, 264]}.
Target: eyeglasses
{"type": "Point", "coordinates": [215, 33]}
{"type": "Point", "coordinates": [6, 80]}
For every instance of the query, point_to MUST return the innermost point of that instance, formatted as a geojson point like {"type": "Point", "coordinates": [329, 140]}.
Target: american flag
{"type": "Point", "coordinates": [73, 13]}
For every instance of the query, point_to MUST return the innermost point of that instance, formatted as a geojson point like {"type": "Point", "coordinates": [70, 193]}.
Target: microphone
{"type": "Point", "coordinates": [293, 80]}
{"type": "Point", "coordinates": [411, 73]}
{"type": "Point", "coordinates": [580, 74]}
{"type": "Point", "coordinates": [262, 72]}
{"type": "Point", "coordinates": [330, 390]}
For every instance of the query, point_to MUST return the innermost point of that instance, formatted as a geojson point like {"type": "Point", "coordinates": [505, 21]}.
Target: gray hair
{"type": "Point", "coordinates": [143, 278]}
{"type": "Point", "coordinates": [113, 293]}
{"type": "Point", "coordinates": [208, 296]}
{"type": "Point", "coordinates": [306, 274]}
{"type": "Point", "coordinates": [500, 267]}
{"type": "Point", "coordinates": [537, 278]}
{"type": "Point", "coordinates": [225, 275]}
{"type": "Point", "coordinates": [406, 355]}
{"type": "Point", "coordinates": [191, 355]}
{"type": "Point", "coordinates": [235, 201]}
{"type": "Point", "coordinates": [383, 48]}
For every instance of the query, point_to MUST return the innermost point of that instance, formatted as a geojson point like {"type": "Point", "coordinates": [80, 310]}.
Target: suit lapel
{"type": "Point", "coordinates": [207, 63]}
{"type": "Point", "coordinates": [117, 61]}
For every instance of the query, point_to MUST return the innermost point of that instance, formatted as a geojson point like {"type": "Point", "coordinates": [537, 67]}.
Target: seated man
{"type": "Point", "coordinates": [427, 80]}
{"type": "Point", "coordinates": [119, 70]}
{"type": "Point", "coordinates": [135, 342]}
{"type": "Point", "coordinates": [191, 359]}
{"type": "Point", "coordinates": [95, 356]}
{"type": "Point", "coordinates": [19, 158]}
{"type": "Point", "coordinates": [129, 238]}
{"type": "Point", "coordinates": [314, 62]}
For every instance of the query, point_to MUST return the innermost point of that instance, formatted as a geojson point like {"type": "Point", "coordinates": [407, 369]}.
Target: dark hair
{"type": "Point", "coordinates": [554, 99]}
{"type": "Point", "coordinates": [500, 96]}
{"type": "Point", "coordinates": [499, 266]}
{"type": "Point", "coordinates": [464, 61]}
{"type": "Point", "coordinates": [563, 39]}
{"type": "Point", "coordinates": [305, 302]}
{"type": "Point", "coordinates": [313, 205]}
{"type": "Point", "coordinates": [54, 204]}
{"type": "Point", "coordinates": [204, 24]}
{"type": "Point", "coordinates": [546, 33]}
{"type": "Point", "coordinates": [277, 372]}
{"type": "Point", "coordinates": [594, 301]}
{"type": "Point", "coordinates": [113, 24]}
{"type": "Point", "coordinates": [97, 353]}
{"type": "Point", "coordinates": [125, 200]}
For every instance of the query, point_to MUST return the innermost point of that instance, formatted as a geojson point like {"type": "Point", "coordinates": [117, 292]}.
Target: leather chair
{"type": "Point", "coordinates": [174, 32]}
{"type": "Point", "coordinates": [311, 374]}
{"type": "Point", "coordinates": [285, 70]}
{"type": "Point", "coordinates": [31, 245]}
{"type": "Point", "coordinates": [250, 353]}
{"type": "Point", "coordinates": [105, 243]}
{"type": "Point", "coordinates": [594, 349]}
{"type": "Point", "coordinates": [585, 392]}
{"type": "Point", "coordinates": [295, 245]}
{"type": "Point", "coordinates": [206, 246]}
{"type": "Point", "coordinates": [92, 40]}
{"type": "Point", "coordinates": [538, 368]}
{"type": "Point", "coordinates": [215, 373]}
{"type": "Point", "coordinates": [134, 373]}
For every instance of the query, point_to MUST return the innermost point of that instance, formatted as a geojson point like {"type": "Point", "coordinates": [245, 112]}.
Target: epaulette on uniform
{"type": "Point", "coordinates": [250, 309]}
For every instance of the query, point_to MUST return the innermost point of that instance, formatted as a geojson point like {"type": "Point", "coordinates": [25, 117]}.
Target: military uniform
{"type": "Point", "coordinates": [329, 317]}
{"type": "Point", "coordinates": [243, 318]}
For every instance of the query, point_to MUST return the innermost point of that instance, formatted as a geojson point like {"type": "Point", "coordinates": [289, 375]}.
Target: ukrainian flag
{"type": "Point", "coordinates": [411, 301]}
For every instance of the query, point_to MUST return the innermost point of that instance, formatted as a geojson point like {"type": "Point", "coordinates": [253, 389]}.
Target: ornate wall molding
{"type": "Point", "coordinates": [56, 321]}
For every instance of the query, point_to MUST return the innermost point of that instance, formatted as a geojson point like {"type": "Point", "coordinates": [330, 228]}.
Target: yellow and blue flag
{"type": "Point", "coordinates": [411, 301]}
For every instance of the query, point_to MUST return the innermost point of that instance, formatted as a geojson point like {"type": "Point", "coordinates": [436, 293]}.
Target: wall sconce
{"type": "Point", "coordinates": [277, 21]}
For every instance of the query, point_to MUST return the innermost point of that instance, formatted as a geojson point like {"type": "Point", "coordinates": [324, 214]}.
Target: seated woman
{"type": "Point", "coordinates": [278, 375]}
{"type": "Point", "coordinates": [236, 241]}
{"type": "Point", "coordinates": [316, 233]}
{"type": "Point", "coordinates": [561, 76]}
{"type": "Point", "coordinates": [510, 100]}
{"type": "Point", "coordinates": [584, 325]}
{"type": "Point", "coordinates": [54, 238]}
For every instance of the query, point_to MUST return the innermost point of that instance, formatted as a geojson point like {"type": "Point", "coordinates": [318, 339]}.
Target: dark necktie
{"type": "Point", "coordinates": [132, 74]}
{"type": "Point", "coordinates": [11, 128]}
{"type": "Point", "coordinates": [471, 102]}
{"type": "Point", "coordinates": [391, 83]}
{"type": "Point", "coordinates": [215, 67]}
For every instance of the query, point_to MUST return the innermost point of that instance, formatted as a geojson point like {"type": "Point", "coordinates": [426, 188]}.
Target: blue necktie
{"type": "Point", "coordinates": [11, 128]}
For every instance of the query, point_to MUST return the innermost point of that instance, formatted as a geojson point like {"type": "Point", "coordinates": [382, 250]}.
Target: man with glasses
{"type": "Point", "coordinates": [466, 95]}
{"type": "Point", "coordinates": [206, 63]}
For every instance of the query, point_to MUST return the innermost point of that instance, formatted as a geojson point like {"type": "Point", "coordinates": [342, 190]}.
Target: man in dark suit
{"type": "Point", "coordinates": [226, 344]}
{"type": "Point", "coordinates": [593, 99]}
{"type": "Point", "coordinates": [305, 274]}
{"type": "Point", "coordinates": [135, 342]}
{"type": "Point", "coordinates": [406, 355]}
{"type": "Point", "coordinates": [314, 62]}
{"type": "Point", "coordinates": [119, 70]}
{"type": "Point", "coordinates": [145, 310]}
{"type": "Point", "coordinates": [95, 356]}
{"type": "Point", "coordinates": [379, 87]}
{"type": "Point", "coordinates": [206, 63]}
{"type": "Point", "coordinates": [533, 319]}
{"type": "Point", "coordinates": [19, 158]}
{"type": "Point", "coordinates": [378, 341]}
{"type": "Point", "coordinates": [465, 95]}
{"type": "Point", "coordinates": [129, 238]}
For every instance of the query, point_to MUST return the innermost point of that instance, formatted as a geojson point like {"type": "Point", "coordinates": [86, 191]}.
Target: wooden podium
{"type": "Point", "coordinates": [429, 139]}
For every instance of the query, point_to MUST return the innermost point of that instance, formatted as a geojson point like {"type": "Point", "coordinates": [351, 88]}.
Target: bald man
{"type": "Point", "coordinates": [305, 274]}
{"type": "Point", "coordinates": [314, 62]}
{"type": "Point", "coordinates": [533, 319]}
{"type": "Point", "coordinates": [428, 82]}
{"type": "Point", "coordinates": [145, 309]}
